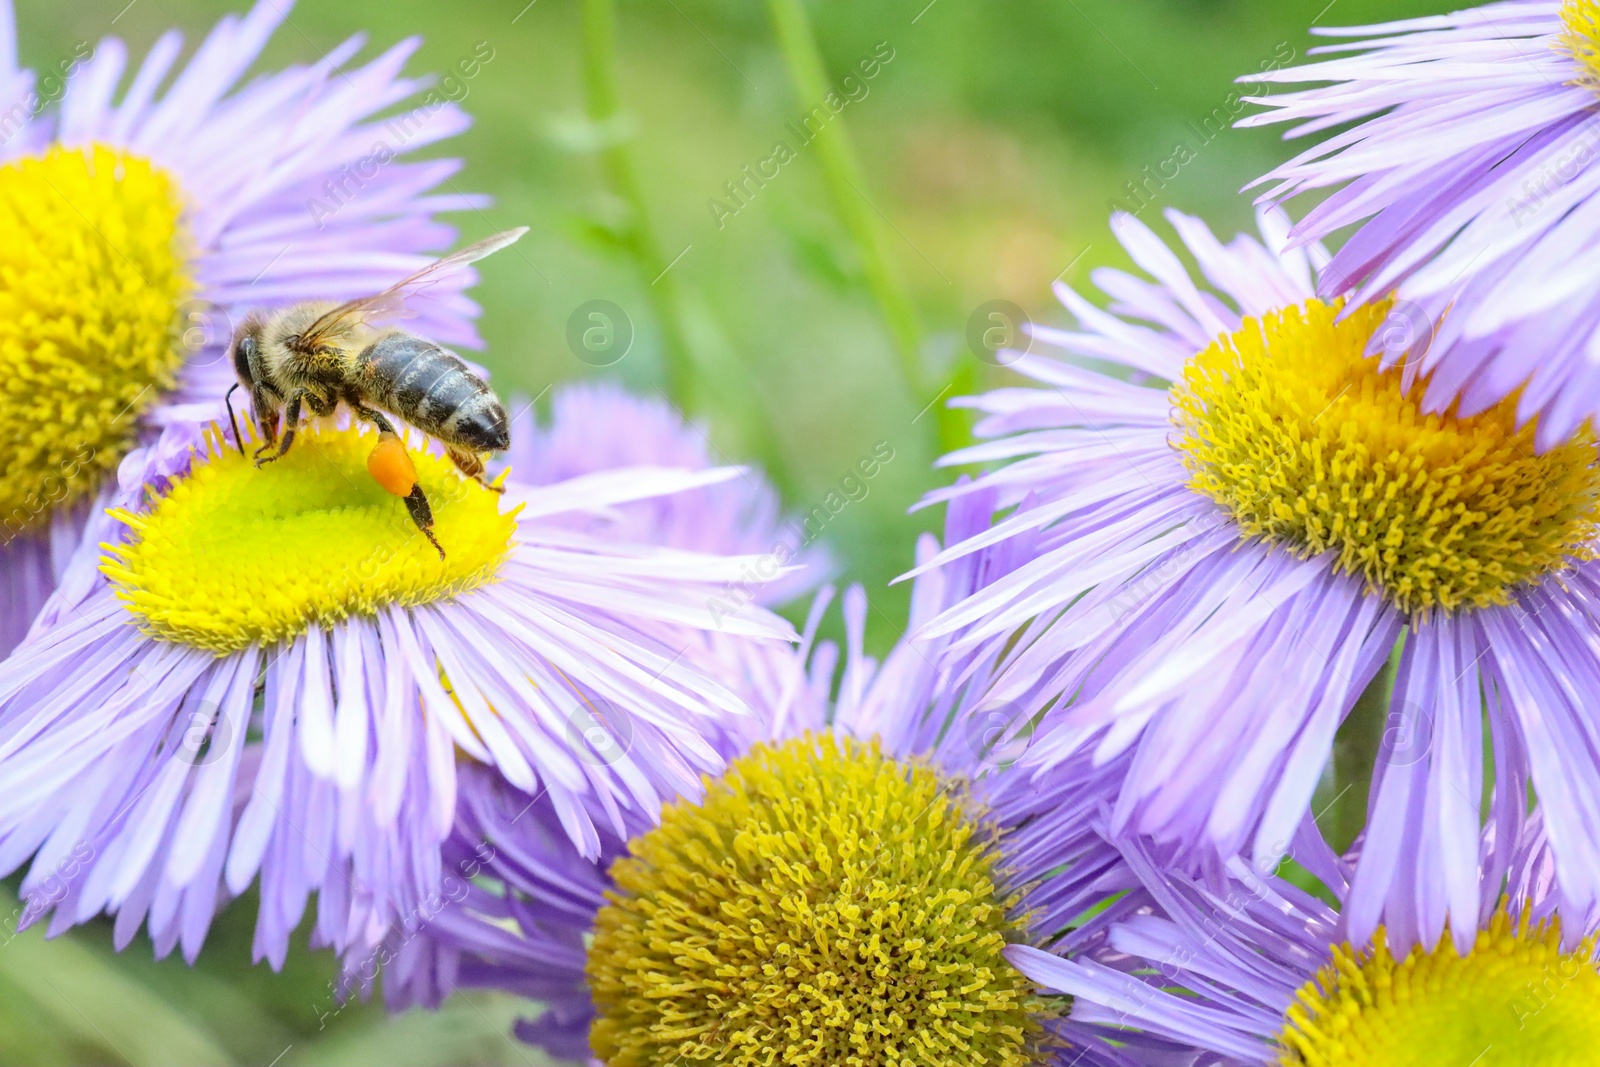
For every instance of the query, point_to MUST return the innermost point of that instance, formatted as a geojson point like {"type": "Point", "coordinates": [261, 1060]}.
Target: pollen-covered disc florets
{"type": "Point", "coordinates": [234, 554]}
{"type": "Point", "coordinates": [1517, 999]}
{"type": "Point", "coordinates": [1292, 428]}
{"type": "Point", "coordinates": [92, 273]}
{"type": "Point", "coordinates": [1580, 34]}
{"type": "Point", "coordinates": [824, 905]}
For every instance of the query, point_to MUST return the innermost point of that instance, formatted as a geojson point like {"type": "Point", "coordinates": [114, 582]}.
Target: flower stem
{"type": "Point", "coordinates": [1356, 749]}
{"type": "Point", "coordinates": [846, 187]}
{"type": "Point", "coordinates": [636, 234]}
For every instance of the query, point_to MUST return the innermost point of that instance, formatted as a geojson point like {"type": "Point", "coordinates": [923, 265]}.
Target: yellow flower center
{"type": "Point", "coordinates": [1298, 434]}
{"type": "Point", "coordinates": [824, 905]}
{"type": "Point", "coordinates": [1517, 1000]}
{"type": "Point", "coordinates": [1580, 34]}
{"type": "Point", "coordinates": [92, 273]}
{"type": "Point", "coordinates": [233, 554]}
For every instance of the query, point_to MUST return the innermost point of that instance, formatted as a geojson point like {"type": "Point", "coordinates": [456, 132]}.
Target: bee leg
{"type": "Point", "coordinates": [422, 515]}
{"type": "Point", "coordinates": [291, 416]}
{"type": "Point", "coordinates": [416, 500]}
{"type": "Point", "coordinates": [372, 415]}
{"type": "Point", "coordinates": [470, 465]}
{"type": "Point", "coordinates": [266, 413]}
{"type": "Point", "coordinates": [233, 423]}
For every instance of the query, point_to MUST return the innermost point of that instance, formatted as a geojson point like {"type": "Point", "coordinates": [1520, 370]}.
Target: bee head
{"type": "Point", "coordinates": [245, 350]}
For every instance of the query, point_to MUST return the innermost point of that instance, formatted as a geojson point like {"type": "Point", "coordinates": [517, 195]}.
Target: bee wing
{"type": "Point", "coordinates": [391, 302]}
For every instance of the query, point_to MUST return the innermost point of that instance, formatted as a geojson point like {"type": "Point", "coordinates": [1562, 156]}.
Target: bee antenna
{"type": "Point", "coordinates": [227, 401]}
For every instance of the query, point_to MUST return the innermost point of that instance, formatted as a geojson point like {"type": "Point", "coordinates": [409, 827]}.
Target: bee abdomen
{"type": "Point", "coordinates": [431, 388]}
{"type": "Point", "coordinates": [480, 423]}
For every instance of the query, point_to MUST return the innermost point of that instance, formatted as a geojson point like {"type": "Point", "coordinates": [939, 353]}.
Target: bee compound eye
{"type": "Point", "coordinates": [244, 353]}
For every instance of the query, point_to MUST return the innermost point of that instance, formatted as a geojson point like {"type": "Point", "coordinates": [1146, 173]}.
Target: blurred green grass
{"type": "Point", "coordinates": [994, 144]}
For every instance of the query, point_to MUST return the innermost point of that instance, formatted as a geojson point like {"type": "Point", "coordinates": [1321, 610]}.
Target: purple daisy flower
{"type": "Point", "coordinates": [277, 678]}
{"type": "Point", "coordinates": [598, 426]}
{"type": "Point", "coordinates": [1239, 519]}
{"type": "Point", "coordinates": [1260, 972]}
{"type": "Point", "coordinates": [887, 809]}
{"type": "Point", "coordinates": [141, 222]}
{"type": "Point", "coordinates": [1470, 160]}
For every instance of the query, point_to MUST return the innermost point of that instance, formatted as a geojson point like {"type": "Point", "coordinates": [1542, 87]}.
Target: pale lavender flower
{"type": "Point", "coordinates": [1470, 165]}
{"type": "Point", "coordinates": [1218, 659]}
{"type": "Point", "coordinates": [520, 904]}
{"type": "Point", "coordinates": [292, 188]}
{"type": "Point", "coordinates": [173, 771]}
{"type": "Point", "coordinates": [1254, 971]}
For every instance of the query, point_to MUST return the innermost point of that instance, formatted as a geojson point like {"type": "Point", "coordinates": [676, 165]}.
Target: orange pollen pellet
{"type": "Point", "coordinates": [390, 465]}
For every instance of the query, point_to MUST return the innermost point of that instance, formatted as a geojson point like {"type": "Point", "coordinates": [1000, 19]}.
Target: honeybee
{"type": "Point", "coordinates": [317, 353]}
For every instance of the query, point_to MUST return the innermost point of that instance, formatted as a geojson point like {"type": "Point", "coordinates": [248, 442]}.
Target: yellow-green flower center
{"type": "Point", "coordinates": [1580, 34]}
{"type": "Point", "coordinates": [1517, 1000]}
{"type": "Point", "coordinates": [92, 273]}
{"type": "Point", "coordinates": [233, 554]}
{"type": "Point", "coordinates": [1296, 432]}
{"type": "Point", "coordinates": [824, 905]}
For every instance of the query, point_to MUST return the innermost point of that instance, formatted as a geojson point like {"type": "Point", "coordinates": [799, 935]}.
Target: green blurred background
{"type": "Point", "coordinates": [992, 146]}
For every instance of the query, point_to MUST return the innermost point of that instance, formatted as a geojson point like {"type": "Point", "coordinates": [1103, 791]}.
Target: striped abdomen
{"type": "Point", "coordinates": [432, 389]}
